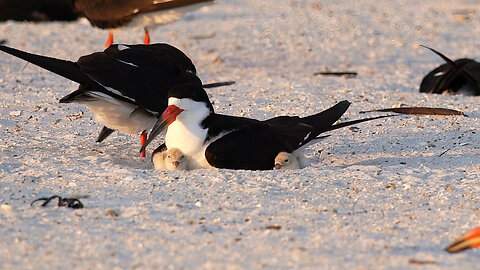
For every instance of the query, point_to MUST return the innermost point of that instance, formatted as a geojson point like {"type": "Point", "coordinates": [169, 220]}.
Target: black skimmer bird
{"type": "Point", "coordinates": [125, 86]}
{"type": "Point", "coordinates": [109, 14]}
{"type": "Point", "coordinates": [171, 159]}
{"type": "Point", "coordinates": [466, 241]}
{"type": "Point", "coordinates": [214, 140]}
{"type": "Point", "coordinates": [459, 76]}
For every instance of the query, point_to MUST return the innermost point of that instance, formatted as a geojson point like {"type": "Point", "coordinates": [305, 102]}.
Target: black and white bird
{"type": "Point", "coordinates": [211, 140]}
{"type": "Point", "coordinates": [110, 14]}
{"type": "Point", "coordinates": [459, 76]}
{"type": "Point", "coordinates": [125, 86]}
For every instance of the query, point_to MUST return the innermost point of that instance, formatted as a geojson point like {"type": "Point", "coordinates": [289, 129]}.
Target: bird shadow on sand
{"type": "Point", "coordinates": [125, 153]}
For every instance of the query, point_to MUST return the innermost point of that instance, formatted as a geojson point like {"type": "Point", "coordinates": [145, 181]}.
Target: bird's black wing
{"type": "Point", "coordinates": [472, 72]}
{"type": "Point", "coordinates": [303, 130]}
{"type": "Point", "coordinates": [252, 147]}
{"type": "Point", "coordinates": [451, 76]}
{"type": "Point", "coordinates": [322, 121]}
{"type": "Point", "coordinates": [142, 73]}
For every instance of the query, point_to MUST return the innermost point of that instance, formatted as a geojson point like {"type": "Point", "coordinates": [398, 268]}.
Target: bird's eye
{"type": "Point", "coordinates": [286, 160]}
{"type": "Point", "coordinates": [168, 156]}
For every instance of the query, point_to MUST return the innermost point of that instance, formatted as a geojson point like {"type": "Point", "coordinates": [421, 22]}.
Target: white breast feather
{"type": "Point", "coordinates": [186, 133]}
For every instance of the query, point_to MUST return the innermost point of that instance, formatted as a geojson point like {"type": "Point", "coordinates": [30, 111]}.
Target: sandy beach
{"type": "Point", "coordinates": [386, 194]}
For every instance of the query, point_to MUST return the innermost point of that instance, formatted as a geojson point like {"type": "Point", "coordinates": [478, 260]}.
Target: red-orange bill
{"type": "Point", "coordinates": [168, 117]}
{"type": "Point", "coordinates": [469, 240]}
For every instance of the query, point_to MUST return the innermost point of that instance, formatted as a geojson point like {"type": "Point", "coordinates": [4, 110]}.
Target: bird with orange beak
{"type": "Point", "coordinates": [466, 241]}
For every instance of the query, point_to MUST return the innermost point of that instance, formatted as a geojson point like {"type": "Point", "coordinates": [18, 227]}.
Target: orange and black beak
{"type": "Point", "coordinates": [469, 240]}
{"type": "Point", "coordinates": [168, 117]}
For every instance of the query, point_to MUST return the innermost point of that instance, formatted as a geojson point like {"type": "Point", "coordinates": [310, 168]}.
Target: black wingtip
{"type": "Point", "coordinates": [218, 84]}
{"type": "Point", "coordinates": [64, 68]}
{"type": "Point", "coordinates": [446, 59]}
{"type": "Point", "coordinates": [104, 133]}
{"type": "Point", "coordinates": [358, 121]}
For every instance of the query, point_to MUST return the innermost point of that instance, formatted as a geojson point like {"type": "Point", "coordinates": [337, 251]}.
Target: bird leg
{"type": "Point", "coordinates": [143, 139]}
{"type": "Point", "coordinates": [110, 39]}
{"type": "Point", "coordinates": [146, 40]}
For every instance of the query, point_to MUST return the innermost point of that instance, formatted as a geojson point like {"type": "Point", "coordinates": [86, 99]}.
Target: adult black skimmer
{"type": "Point", "coordinates": [125, 86]}
{"type": "Point", "coordinates": [108, 14]}
{"type": "Point", "coordinates": [171, 159]}
{"type": "Point", "coordinates": [466, 241]}
{"type": "Point", "coordinates": [459, 76]}
{"type": "Point", "coordinates": [211, 140]}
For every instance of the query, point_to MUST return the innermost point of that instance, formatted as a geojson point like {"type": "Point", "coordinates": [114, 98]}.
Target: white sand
{"type": "Point", "coordinates": [377, 197]}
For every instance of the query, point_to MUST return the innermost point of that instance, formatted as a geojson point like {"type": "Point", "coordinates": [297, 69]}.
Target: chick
{"type": "Point", "coordinates": [172, 159]}
{"type": "Point", "coordinates": [289, 161]}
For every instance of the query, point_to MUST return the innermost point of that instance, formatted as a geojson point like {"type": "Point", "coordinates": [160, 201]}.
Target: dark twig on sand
{"type": "Point", "coordinates": [68, 202]}
{"type": "Point", "coordinates": [347, 74]}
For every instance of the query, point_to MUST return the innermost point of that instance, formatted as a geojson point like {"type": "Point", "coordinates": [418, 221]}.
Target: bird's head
{"type": "Point", "coordinates": [283, 161]}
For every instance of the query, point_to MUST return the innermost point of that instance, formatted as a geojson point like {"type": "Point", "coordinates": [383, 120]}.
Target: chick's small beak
{"type": "Point", "coordinates": [277, 166]}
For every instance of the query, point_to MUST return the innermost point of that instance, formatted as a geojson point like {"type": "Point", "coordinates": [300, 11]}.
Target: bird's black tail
{"type": "Point", "coordinates": [64, 68]}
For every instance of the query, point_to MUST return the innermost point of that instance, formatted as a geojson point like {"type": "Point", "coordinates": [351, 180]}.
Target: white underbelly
{"type": "Point", "coordinates": [121, 116]}
{"type": "Point", "coordinates": [156, 18]}
{"type": "Point", "coordinates": [190, 142]}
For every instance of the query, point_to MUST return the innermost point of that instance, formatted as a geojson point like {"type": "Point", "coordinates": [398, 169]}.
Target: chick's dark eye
{"type": "Point", "coordinates": [286, 160]}
{"type": "Point", "coordinates": [168, 156]}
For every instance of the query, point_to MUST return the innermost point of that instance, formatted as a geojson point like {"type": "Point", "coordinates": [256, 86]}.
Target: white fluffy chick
{"type": "Point", "coordinates": [290, 161]}
{"type": "Point", "coordinates": [172, 159]}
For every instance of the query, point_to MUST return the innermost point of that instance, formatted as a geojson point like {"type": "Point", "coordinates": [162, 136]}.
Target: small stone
{"type": "Point", "coordinates": [274, 227]}
{"type": "Point", "coordinates": [391, 186]}
{"type": "Point", "coordinates": [218, 60]}
{"type": "Point", "coordinates": [15, 113]}
{"type": "Point", "coordinates": [111, 213]}
{"type": "Point", "coordinates": [76, 116]}
{"type": "Point", "coordinates": [6, 207]}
